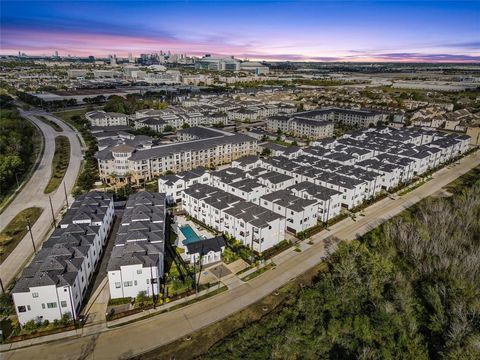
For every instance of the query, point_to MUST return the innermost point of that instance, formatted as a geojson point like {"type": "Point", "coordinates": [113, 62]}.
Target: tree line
{"type": "Point", "coordinates": [409, 289]}
{"type": "Point", "coordinates": [16, 145]}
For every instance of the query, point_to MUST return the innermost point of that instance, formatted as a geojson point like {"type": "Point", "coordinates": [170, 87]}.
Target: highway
{"type": "Point", "coordinates": [148, 334]}
{"type": "Point", "coordinates": [32, 194]}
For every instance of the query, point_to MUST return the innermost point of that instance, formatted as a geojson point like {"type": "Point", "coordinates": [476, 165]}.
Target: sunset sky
{"type": "Point", "coordinates": [265, 30]}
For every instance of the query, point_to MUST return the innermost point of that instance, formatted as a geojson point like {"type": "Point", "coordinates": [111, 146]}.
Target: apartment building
{"type": "Point", "coordinates": [251, 224]}
{"type": "Point", "coordinates": [127, 164]}
{"type": "Point", "coordinates": [56, 280]}
{"type": "Point", "coordinates": [136, 263]}
{"type": "Point", "coordinates": [301, 126]}
{"type": "Point", "coordinates": [102, 118]}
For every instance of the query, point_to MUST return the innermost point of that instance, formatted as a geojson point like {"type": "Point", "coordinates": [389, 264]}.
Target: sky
{"type": "Point", "coordinates": [404, 31]}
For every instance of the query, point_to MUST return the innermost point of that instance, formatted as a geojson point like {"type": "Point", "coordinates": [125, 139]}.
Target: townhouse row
{"type": "Point", "coordinates": [55, 282]}
{"type": "Point", "coordinates": [249, 223]}
{"type": "Point", "coordinates": [137, 260]}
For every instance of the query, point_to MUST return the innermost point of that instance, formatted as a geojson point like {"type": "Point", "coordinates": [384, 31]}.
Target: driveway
{"type": "Point", "coordinates": [32, 193]}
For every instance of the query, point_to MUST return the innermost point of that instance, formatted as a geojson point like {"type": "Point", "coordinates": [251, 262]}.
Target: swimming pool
{"type": "Point", "coordinates": [190, 234]}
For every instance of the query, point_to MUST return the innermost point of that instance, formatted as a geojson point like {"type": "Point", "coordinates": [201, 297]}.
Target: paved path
{"type": "Point", "coordinates": [148, 334]}
{"type": "Point", "coordinates": [32, 193]}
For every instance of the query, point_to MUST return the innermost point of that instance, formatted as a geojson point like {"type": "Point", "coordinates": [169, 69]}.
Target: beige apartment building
{"type": "Point", "coordinates": [124, 163]}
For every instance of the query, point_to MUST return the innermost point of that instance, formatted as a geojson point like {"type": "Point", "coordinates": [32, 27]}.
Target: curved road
{"type": "Point", "coordinates": [32, 193]}
{"type": "Point", "coordinates": [144, 335]}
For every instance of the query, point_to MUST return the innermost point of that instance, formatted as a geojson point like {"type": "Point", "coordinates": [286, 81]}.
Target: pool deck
{"type": "Point", "coordinates": [182, 221]}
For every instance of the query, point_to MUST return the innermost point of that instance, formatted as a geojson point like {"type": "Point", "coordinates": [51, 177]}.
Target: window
{"type": "Point", "coordinates": [135, 282]}
{"type": "Point", "coordinates": [63, 303]}
{"type": "Point", "coordinates": [43, 306]}
{"type": "Point", "coordinates": [21, 309]}
{"type": "Point", "coordinates": [52, 305]}
{"type": "Point", "coordinates": [29, 308]}
{"type": "Point", "coordinates": [148, 281]}
{"type": "Point", "coordinates": [118, 285]}
{"type": "Point", "coordinates": [139, 271]}
{"type": "Point", "coordinates": [127, 283]}
{"type": "Point", "coordinates": [35, 294]}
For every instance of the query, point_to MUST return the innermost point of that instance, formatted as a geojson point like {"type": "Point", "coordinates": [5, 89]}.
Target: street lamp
{"type": "Point", "coordinates": [29, 227]}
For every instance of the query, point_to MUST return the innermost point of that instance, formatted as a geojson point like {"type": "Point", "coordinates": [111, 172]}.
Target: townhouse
{"type": "Point", "coordinates": [56, 280]}
{"type": "Point", "coordinates": [136, 263]}
{"type": "Point", "coordinates": [251, 224]}
{"type": "Point", "coordinates": [173, 185]}
{"type": "Point", "coordinates": [300, 213]}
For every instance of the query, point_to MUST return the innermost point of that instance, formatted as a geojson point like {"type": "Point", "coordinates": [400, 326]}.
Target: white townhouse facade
{"type": "Point", "coordinates": [173, 185]}
{"type": "Point", "coordinates": [102, 118]}
{"type": "Point", "coordinates": [300, 213]}
{"type": "Point", "coordinates": [327, 200]}
{"type": "Point", "coordinates": [137, 260]}
{"type": "Point", "coordinates": [254, 226]}
{"type": "Point", "coordinates": [55, 282]}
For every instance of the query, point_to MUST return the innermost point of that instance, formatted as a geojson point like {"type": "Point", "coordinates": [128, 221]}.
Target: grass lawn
{"type": "Point", "coordinates": [259, 272]}
{"type": "Point", "coordinates": [60, 161]}
{"type": "Point", "coordinates": [66, 115]}
{"type": "Point", "coordinates": [16, 230]}
{"type": "Point", "coordinates": [51, 123]}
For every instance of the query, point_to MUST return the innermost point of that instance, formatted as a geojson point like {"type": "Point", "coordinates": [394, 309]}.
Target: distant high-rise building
{"type": "Point", "coordinates": [56, 53]}
{"type": "Point", "coordinates": [130, 58]}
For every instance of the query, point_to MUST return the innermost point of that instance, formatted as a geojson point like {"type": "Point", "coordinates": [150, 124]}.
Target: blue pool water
{"type": "Point", "coordinates": [190, 235]}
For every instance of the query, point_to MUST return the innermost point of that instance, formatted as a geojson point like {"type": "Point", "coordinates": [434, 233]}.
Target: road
{"type": "Point", "coordinates": [32, 193]}
{"type": "Point", "coordinates": [145, 335]}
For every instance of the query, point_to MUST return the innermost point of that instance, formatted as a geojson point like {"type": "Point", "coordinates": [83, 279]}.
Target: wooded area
{"type": "Point", "coordinates": [17, 147]}
{"type": "Point", "coordinates": [409, 289]}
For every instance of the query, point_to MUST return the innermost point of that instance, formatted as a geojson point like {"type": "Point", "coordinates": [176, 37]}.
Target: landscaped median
{"type": "Point", "coordinates": [16, 229]}
{"type": "Point", "coordinates": [51, 123]}
{"type": "Point", "coordinates": [61, 159]}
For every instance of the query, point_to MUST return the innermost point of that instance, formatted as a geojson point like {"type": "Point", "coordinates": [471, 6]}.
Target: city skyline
{"type": "Point", "coordinates": [258, 30]}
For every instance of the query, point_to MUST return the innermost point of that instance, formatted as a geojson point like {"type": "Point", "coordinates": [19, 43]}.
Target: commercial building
{"type": "Point", "coordinates": [209, 62]}
{"type": "Point", "coordinates": [137, 260]}
{"type": "Point", "coordinates": [56, 280]}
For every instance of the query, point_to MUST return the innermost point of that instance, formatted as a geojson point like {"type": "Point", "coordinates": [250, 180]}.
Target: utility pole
{"type": "Point", "coordinates": [65, 191]}
{"type": "Point", "coordinates": [53, 215]}
{"type": "Point", "coordinates": [29, 227]}
{"type": "Point", "coordinates": [1, 285]}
